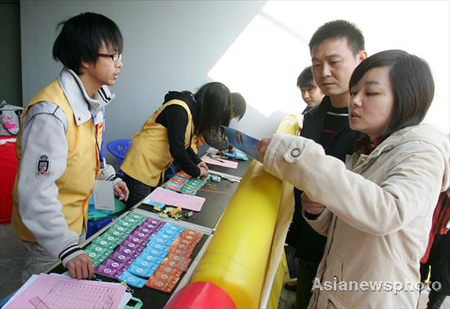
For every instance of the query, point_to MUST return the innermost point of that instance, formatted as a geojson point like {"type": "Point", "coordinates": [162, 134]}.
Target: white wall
{"type": "Point", "coordinates": [169, 45]}
{"type": "Point", "coordinates": [255, 47]}
{"type": "Point", "coordinates": [273, 49]}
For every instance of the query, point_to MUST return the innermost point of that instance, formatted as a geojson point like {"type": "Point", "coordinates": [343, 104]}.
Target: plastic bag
{"type": "Point", "coordinates": [9, 119]}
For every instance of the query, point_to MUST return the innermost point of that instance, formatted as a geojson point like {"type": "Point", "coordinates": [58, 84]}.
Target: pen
{"type": "Point", "coordinates": [217, 159]}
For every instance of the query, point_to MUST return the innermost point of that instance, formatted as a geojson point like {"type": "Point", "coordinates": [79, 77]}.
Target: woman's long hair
{"type": "Point", "coordinates": [212, 107]}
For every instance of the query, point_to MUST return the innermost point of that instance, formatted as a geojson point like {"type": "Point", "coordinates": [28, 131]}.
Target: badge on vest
{"type": "Point", "coordinates": [43, 166]}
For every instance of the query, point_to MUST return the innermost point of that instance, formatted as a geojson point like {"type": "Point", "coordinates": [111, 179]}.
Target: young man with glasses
{"type": "Point", "coordinates": [59, 146]}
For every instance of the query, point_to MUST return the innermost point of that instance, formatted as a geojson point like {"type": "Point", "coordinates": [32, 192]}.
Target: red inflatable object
{"type": "Point", "coordinates": [8, 168]}
{"type": "Point", "coordinates": [200, 295]}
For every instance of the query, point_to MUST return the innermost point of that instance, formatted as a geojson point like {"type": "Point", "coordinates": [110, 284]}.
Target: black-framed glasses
{"type": "Point", "coordinates": [115, 57]}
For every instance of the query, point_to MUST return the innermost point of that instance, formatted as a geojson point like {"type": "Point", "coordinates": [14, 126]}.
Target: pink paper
{"type": "Point", "coordinates": [220, 162]}
{"type": "Point", "coordinates": [175, 199]}
{"type": "Point", "coordinates": [50, 291]}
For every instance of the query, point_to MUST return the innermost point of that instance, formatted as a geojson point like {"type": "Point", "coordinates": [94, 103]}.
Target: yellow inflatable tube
{"type": "Point", "coordinates": [237, 256]}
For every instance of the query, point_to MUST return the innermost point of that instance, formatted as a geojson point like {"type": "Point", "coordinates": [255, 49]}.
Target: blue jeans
{"type": "Point", "coordinates": [39, 259]}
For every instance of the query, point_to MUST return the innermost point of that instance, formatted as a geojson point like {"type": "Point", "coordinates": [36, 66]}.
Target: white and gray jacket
{"type": "Point", "coordinates": [44, 131]}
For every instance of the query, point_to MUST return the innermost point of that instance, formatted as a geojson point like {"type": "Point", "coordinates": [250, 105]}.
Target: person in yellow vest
{"type": "Point", "coordinates": [218, 139]}
{"type": "Point", "coordinates": [167, 136]}
{"type": "Point", "coordinates": [59, 146]}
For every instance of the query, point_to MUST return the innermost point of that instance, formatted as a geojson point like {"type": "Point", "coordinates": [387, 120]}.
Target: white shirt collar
{"type": "Point", "coordinates": [83, 106]}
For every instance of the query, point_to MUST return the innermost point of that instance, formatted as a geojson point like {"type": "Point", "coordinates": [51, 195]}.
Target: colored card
{"type": "Point", "coordinates": [172, 198]}
{"type": "Point", "coordinates": [219, 162]}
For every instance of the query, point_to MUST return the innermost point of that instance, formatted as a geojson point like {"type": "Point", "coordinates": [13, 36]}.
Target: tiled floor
{"type": "Point", "coordinates": [287, 298]}
{"type": "Point", "coordinates": [11, 263]}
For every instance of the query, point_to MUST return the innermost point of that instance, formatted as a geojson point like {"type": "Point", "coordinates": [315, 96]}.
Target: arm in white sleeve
{"type": "Point", "coordinates": [322, 223]}
{"type": "Point", "coordinates": [377, 209]}
{"type": "Point", "coordinates": [39, 207]}
{"type": "Point", "coordinates": [108, 173]}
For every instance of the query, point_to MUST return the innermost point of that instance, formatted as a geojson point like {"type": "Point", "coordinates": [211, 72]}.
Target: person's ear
{"type": "Point", "coordinates": [85, 66]}
{"type": "Point", "coordinates": [362, 55]}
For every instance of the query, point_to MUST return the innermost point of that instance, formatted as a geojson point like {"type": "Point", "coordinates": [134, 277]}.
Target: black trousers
{"type": "Point", "coordinates": [306, 273]}
{"type": "Point", "coordinates": [439, 260]}
{"type": "Point", "coordinates": [138, 191]}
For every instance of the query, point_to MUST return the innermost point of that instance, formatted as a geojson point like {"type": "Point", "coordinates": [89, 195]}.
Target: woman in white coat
{"type": "Point", "coordinates": [376, 209]}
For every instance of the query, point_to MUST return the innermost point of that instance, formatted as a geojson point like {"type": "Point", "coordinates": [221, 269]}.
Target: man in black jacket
{"type": "Point", "coordinates": [336, 48]}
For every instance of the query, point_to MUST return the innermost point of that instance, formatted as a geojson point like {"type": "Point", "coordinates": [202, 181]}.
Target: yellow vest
{"type": "Point", "coordinates": [197, 141]}
{"type": "Point", "coordinates": [149, 155]}
{"type": "Point", "coordinates": [76, 184]}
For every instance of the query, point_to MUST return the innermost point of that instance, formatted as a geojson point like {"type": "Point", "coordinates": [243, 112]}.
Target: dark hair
{"type": "Point", "coordinates": [212, 107]}
{"type": "Point", "coordinates": [306, 79]}
{"type": "Point", "coordinates": [412, 83]}
{"type": "Point", "coordinates": [339, 29]}
{"type": "Point", "coordinates": [81, 38]}
{"type": "Point", "coordinates": [239, 105]}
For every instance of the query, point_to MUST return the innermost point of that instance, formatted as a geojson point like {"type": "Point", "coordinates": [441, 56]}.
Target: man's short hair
{"type": "Point", "coordinates": [306, 79]}
{"type": "Point", "coordinates": [339, 29]}
{"type": "Point", "coordinates": [412, 84]}
{"type": "Point", "coordinates": [81, 38]}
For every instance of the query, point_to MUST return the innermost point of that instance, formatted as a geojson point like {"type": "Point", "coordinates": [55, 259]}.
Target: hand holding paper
{"type": "Point", "coordinates": [262, 147]}
{"type": "Point", "coordinates": [121, 190]}
{"type": "Point", "coordinates": [242, 141]}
